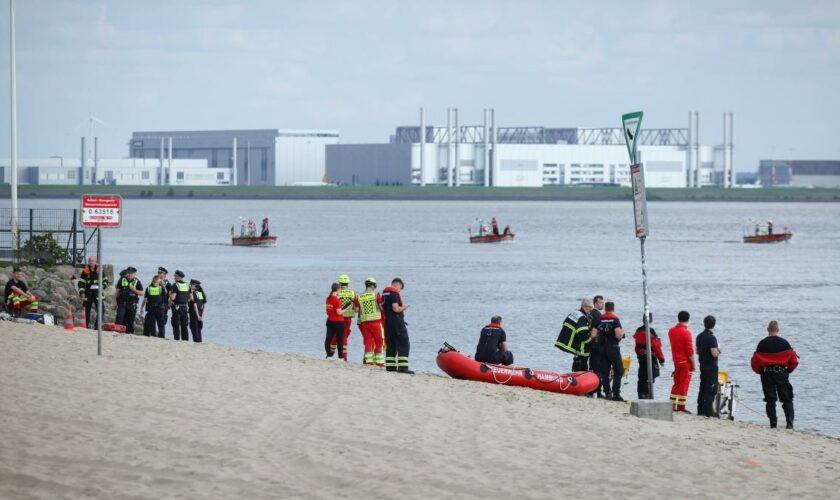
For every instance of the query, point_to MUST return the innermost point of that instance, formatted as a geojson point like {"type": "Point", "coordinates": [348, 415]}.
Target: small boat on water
{"type": "Point", "coordinates": [457, 365]}
{"type": "Point", "coordinates": [489, 233]}
{"type": "Point", "coordinates": [756, 232]}
{"type": "Point", "coordinates": [248, 235]}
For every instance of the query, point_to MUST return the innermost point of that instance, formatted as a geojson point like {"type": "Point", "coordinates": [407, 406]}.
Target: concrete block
{"type": "Point", "coordinates": [656, 410]}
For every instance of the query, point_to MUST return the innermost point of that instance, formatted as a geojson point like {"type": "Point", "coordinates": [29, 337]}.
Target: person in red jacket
{"type": "Point", "coordinates": [335, 323]}
{"type": "Point", "coordinates": [682, 352]}
{"type": "Point", "coordinates": [658, 358]}
{"type": "Point", "coordinates": [774, 360]}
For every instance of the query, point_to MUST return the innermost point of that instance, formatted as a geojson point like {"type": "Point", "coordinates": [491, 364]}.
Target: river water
{"type": "Point", "coordinates": [273, 298]}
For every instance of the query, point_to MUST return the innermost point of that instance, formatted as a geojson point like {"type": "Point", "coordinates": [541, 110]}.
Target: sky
{"type": "Point", "coordinates": [363, 67]}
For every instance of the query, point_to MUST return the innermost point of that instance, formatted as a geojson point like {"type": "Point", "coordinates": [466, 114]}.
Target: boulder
{"type": "Point", "coordinates": [64, 272]}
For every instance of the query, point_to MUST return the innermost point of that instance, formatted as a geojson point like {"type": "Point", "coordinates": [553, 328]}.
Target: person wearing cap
{"type": "Point", "coordinates": [198, 307]}
{"type": "Point", "coordinates": [348, 298]}
{"type": "Point", "coordinates": [127, 295]}
{"type": "Point", "coordinates": [89, 288]}
{"type": "Point", "coordinates": [180, 297]}
{"type": "Point", "coordinates": [369, 305]}
{"type": "Point", "coordinates": [167, 288]}
{"type": "Point", "coordinates": [154, 302]}
{"type": "Point", "coordinates": [396, 333]}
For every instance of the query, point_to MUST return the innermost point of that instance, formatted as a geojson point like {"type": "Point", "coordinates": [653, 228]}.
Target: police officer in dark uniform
{"type": "Point", "coordinates": [198, 306]}
{"type": "Point", "coordinates": [492, 344]}
{"type": "Point", "coordinates": [774, 360]}
{"type": "Point", "coordinates": [167, 287]}
{"type": "Point", "coordinates": [180, 297]}
{"type": "Point", "coordinates": [128, 292]}
{"type": "Point", "coordinates": [155, 301]}
{"type": "Point", "coordinates": [396, 333]}
{"type": "Point", "coordinates": [610, 332]}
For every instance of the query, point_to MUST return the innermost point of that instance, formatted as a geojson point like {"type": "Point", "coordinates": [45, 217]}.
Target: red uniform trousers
{"type": "Point", "coordinates": [682, 379]}
{"type": "Point", "coordinates": [348, 328]}
{"type": "Point", "coordinates": [372, 336]}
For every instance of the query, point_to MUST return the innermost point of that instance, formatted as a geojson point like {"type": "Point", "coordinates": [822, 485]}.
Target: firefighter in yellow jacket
{"type": "Point", "coordinates": [348, 299]}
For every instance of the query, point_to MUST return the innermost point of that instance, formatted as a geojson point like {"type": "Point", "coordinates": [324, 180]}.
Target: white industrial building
{"type": "Point", "coordinates": [56, 171]}
{"type": "Point", "coordinates": [456, 155]}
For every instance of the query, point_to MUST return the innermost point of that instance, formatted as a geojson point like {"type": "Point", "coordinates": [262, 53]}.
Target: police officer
{"type": "Point", "coordinates": [611, 333]}
{"type": "Point", "coordinates": [89, 288]}
{"type": "Point", "coordinates": [180, 297]}
{"type": "Point", "coordinates": [396, 333]}
{"type": "Point", "coordinates": [127, 295]}
{"type": "Point", "coordinates": [198, 307]}
{"type": "Point", "coordinates": [167, 287]}
{"type": "Point", "coordinates": [155, 301]}
{"type": "Point", "coordinates": [774, 360]}
{"type": "Point", "coordinates": [707, 356]}
{"type": "Point", "coordinates": [576, 334]}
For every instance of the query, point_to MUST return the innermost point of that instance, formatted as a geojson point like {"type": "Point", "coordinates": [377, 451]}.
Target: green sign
{"type": "Point", "coordinates": [631, 124]}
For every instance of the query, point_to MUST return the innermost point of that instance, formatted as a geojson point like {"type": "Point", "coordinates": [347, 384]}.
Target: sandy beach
{"type": "Point", "coordinates": [159, 419]}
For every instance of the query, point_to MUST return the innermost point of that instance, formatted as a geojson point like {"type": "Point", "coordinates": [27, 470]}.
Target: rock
{"type": "Point", "coordinates": [65, 272]}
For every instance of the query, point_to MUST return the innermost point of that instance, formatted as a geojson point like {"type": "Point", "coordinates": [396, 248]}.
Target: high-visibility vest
{"type": "Point", "coordinates": [154, 291]}
{"type": "Point", "coordinates": [199, 295]}
{"type": "Point", "coordinates": [369, 308]}
{"type": "Point", "coordinates": [346, 295]}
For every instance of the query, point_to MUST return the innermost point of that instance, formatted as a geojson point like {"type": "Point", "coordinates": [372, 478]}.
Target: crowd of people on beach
{"type": "Point", "coordinates": [187, 302]}
{"type": "Point", "coordinates": [592, 334]}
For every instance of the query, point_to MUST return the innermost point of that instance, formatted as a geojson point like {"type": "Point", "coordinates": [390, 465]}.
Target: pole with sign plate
{"type": "Point", "coordinates": [100, 211]}
{"type": "Point", "coordinates": [631, 125]}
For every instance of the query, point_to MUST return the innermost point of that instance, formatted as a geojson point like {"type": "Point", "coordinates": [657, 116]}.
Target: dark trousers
{"type": "Point", "coordinates": [90, 305]}
{"type": "Point", "coordinates": [195, 326]}
{"type": "Point", "coordinates": [708, 391]}
{"type": "Point", "coordinates": [180, 322]}
{"type": "Point", "coordinates": [611, 359]}
{"type": "Point", "coordinates": [500, 358]}
{"type": "Point", "coordinates": [396, 352]}
{"type": "Point", "coordinates": [776, 386]}
{"type": "Point", "coordinates": [580, 363]}
{"type": "Point", "coordinates": [126, 312]}
{"type": "Point", "coordinates": [154, 322]}
{"type": "Point", "coordinates": [335, 330]}
{"type": "Point", "coordinates": [642, 386]}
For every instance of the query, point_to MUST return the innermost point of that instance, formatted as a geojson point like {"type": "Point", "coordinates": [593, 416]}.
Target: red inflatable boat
{"type": "Point", "coordinates": [459, 366]}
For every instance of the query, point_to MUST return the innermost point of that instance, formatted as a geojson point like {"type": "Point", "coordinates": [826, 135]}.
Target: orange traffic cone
{"type": "Point", "coordinates": [81, 322]}
{"type": "Point", "coordinates": [68, 320]}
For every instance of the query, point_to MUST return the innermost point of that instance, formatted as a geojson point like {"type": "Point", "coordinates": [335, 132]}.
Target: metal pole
{"type": "Point", "coordinates": [449, 147]}
{"type": "Point", "coordinates": [422, 148]}
{"type": "Point", "coordinates": [13, 179]}
{"type": "Point", "coordinates": [100, 294]}
{"type": "Point", "coordinates": [457, 150]}
{"type": "Point", "coordinates": [649, 349]}
{"type": "Point", "coordinates": [75, 248]}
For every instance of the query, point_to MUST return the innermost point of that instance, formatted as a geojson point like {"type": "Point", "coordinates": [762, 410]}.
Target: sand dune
{"type": "Point", "coordinates": [159, 419]}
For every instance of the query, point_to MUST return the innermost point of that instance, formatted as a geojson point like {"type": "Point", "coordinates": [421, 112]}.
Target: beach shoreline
{"type": "Point", "coordinates": [157, 418]}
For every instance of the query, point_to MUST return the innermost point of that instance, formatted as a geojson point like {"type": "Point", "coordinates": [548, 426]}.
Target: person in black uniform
{"type": "Point", "coordinates": [155, 301]}
{"type": "Point", "coordinates": [396, 333]}
{"type": "Point", "coordinates": [89, 289]}
{"type": "Point", "coordinates": [167, 287]}
{"type": "Point", "coordinates": [595, 352]}
{"type": "Point", "coordinates": [128, 293]}
{"type": "Point", "coordinates": [198, 307]}
{"type": "Point", "coordinates": [774, 360]}
{"type": "Point", "coordinates": [707, 354]}
{"type": "Point", "coordinates": [492, 344]}
{"type": "Point", "coordinates": [180, 297]}
{"type": "Point", "coordinates": [657, 356]}
{"type": "Point", "coordinates": [610, 330]}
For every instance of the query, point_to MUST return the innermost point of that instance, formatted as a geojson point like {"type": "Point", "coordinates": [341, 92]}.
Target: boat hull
{"type": "Point", "coordinates": [768, 238]}
{"type": "Point", "coordinates": [256, 241]}
{"type": "Point", "coordinates": [459, 366]}
{"type": "Point", "coordinates": [491, 238]}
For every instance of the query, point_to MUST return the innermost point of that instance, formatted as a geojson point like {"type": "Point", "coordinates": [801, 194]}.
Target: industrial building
{"type": "Point", "coordinates": [484, 155]}
{"type": "Point", "coordinates": [261, 157]}
{"type": "Point", "coordinates": [799, 173]}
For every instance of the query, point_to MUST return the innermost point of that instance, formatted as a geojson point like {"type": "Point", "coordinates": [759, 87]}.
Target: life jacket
{"type": "Point", "coordinates": [641, 344]}
{"type": "Point", "coordinates": [788, 359]}
{"type": "Point", "coordinates": [574, 335]}
{"type": "Point", "coordinates": [369, 308]}
{"type": "Point", "coordinates": [346, 295]}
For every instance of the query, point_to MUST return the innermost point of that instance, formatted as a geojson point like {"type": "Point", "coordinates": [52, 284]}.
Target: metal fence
{"type": "Point", "coordinates": [72, 245]}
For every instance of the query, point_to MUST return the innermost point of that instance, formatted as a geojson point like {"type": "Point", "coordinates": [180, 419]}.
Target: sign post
{"type": "Point", "coordinates": [100, 211]}
{"type": "Point", "coordinates": [631, 125]}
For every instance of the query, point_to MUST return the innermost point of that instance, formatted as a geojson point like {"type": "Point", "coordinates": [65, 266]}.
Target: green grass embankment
{"type": "Point", "coordinates": [426, 193]}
